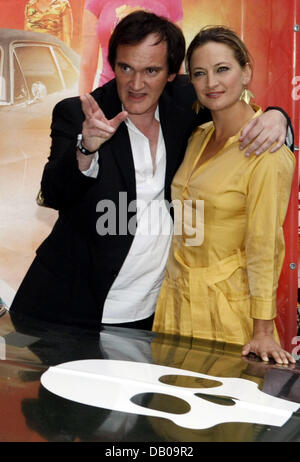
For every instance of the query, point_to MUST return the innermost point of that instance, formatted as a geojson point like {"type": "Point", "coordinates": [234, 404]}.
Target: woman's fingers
{"type": "Point", "coordinates": [246, 349]}
{"type": "Point", "coordinates": [279, 355]}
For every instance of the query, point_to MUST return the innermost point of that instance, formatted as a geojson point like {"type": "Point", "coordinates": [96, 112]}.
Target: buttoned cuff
{"type": "Point", "coordinates": [93, 170]}
{"type": "Point", "coordinates": [262, 308]}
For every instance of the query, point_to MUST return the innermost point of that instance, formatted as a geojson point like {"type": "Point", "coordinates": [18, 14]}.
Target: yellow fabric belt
{"type": "Point", "coordinates": [200, 280]}
{"type": "Point", "coordinates": [217, 272]}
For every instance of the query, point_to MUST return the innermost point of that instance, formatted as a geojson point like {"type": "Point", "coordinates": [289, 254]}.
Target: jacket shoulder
{"type": "Point", "coordinates": [73, 103]}
{"type": "Point", "coordinates": [67, 106]}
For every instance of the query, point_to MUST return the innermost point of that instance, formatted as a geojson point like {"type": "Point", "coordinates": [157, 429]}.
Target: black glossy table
{"type": "Point", "coordinates": [30, 412]}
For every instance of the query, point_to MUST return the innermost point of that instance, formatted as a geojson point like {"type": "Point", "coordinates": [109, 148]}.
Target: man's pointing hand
{"type": "Point", "coordinates": [96, 129]}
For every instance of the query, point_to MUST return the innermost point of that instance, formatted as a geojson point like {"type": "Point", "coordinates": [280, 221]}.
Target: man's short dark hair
{"type": "Point", "coordinates": [135, 27]}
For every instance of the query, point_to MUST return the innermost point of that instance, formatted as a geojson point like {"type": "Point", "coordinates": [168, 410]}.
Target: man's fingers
{"type": "Point", "coordinates": [98, 128]}
{"type": "Point", "coordinates": [92, 110]}
{"type": "Point", "coordinates": [85, 106]}
{"type": "Point", "coordinates": [105, 129]}
{"type": "Point", "coordinates": [258, 146]}
{"type": "Point", "coordinates": [93, 103]}
{"type": "Point", "coordinates": [260, 135]}
{"type": "Point", "coordinates": [280, 142]}
{"type": "Point", "coordinates": [118, 119]}
{"type": "Point", "coordinates": [262, 144]}
{"type": "Point", "coordinates": [90, 107]}
{"type": "Point", "coordinates": [245, 138]}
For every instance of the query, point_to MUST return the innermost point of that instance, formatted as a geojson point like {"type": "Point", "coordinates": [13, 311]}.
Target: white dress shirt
{"type": "Point", "coordinates": [134, 292]}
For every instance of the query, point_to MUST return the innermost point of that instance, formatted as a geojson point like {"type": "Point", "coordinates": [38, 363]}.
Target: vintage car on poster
{"type": "Point", "coordinates": [36, 71]}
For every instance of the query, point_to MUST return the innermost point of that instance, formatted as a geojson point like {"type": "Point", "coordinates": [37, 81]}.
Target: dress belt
{"type": "Point", "coordinates": [201, 279]}
{"type": "Point", "coordinates": [218, 271]}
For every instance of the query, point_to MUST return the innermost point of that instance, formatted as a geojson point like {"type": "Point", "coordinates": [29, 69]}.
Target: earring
{"type": "Point", "coordinates": [246, 95]}
{"type": "Point", "coordinates": [197, 106]}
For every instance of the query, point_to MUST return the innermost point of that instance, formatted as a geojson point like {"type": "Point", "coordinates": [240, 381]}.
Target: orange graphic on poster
{"type": "Point", "coordinates": [50, 16]}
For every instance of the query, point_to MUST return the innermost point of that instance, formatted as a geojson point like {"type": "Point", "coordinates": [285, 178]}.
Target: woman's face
{"type": "Point", "coordinates": [217, 76]}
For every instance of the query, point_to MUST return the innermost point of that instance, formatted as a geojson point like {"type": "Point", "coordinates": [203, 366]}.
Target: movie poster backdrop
{"type": "Point", "coordinates": [38, 69]}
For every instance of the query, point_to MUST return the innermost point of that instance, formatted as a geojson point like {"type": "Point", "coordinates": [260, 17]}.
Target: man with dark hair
{"type": "Point", "coordinates": [113, 156]}
{"type": "Point", "coordinates": [136, 27]}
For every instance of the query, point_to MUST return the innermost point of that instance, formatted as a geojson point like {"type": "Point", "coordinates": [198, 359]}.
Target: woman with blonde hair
{"type": "Point", "coordinates": [224, 288]}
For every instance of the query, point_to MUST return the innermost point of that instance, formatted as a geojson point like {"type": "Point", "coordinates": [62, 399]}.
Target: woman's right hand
{"type": "Point", "coordinates": [264, 345]}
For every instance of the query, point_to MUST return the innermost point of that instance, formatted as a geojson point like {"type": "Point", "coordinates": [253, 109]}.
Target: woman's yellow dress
{"type": "Point", "coordinates": [213, 289]}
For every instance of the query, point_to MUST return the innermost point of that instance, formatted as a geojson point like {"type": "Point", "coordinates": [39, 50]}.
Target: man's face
{"type": "Point", "coordinates": [141, 74]}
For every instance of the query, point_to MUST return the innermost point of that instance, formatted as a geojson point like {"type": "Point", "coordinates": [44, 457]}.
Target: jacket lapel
{"type": "Point", "coordinates": [119, 144]}
{"type": "Point", "coordinates": [173, 122]}
{"type": "Point", "coordinates": [121, 149]}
